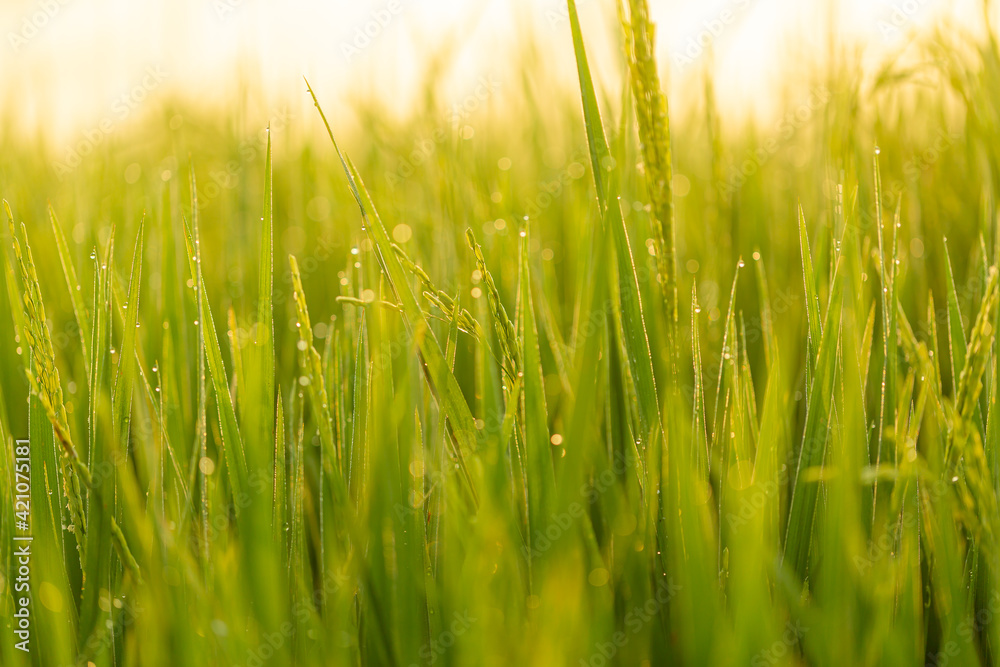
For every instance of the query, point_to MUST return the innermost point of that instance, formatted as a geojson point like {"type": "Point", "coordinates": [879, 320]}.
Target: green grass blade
{"type": "Point", "coordinates": [232, 442]}
{"type": "Point", "coordinates": [443, 382]}
{"type": "Point", "coordinates": [600, 154]}
{"type": "Point", "coordinates": [805, 487]}
{"type": "Point", "coordinates": [540, 472]}
{"type": "Point", "coordinates": [809, 280]}
{"type": "Point", "coordinates": [73, 285]}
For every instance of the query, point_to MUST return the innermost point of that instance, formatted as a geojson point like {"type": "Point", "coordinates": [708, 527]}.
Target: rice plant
{"type": "Point", "coordinates": [680, 410]}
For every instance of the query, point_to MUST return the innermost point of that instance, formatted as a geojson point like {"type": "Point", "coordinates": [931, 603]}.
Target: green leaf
{"type": "Point", "coordinates": [73, 285]}
{"type": "Point", "coordinates": [232, 441]}
{"type": "Point", "coordinates": [443, 383]}
{"type": "Point", "coordinates": [812, 452]}
{"type": "Point", "coordinates": [540, 472]}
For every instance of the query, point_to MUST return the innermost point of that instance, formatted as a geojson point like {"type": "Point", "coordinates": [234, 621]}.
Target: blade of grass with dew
{"type": "Point", "coordinates": [153, 398]}
{"type": "Point", "coordinates": [691, 548]}
{"type": "Point", "coordinates": [965, 453]}
{"type": "Point", "coordinates": [55, 621]}
{"type": "Point", "coordinates": [956, 328]}
{"type": "Point", "coordinates": [73, 285]}
{"type": "Point", "coordinates": [444, 385]}
{"type": "Point", "coordinates": [299, 571]}
{"type": "Point", "coordinates": [554, 337]}
{"type": "Point", "coordinates": [124, 379]}
{"type": "Point", "coordinates": [752, 511]}
{"type": "Point", "coordinates": [106, 453]}
{"type": "Point", "coordinates": [312, 368]}
{"type": "Point", "coordinates": [866, 347]}
{"type": "Point", "coordinates": [264, 347]}
{"type": "Point", "coordinates": [597, 300]}
{"type": "Point", "coordinates": [438, 494]}
{"type": "Point", "coordinates": [637, 344]}
{"type": "Point", "coordinates": [358, 459]}
{"type": "Point", "coordinates": [200, 451]}
{"type": "Point", "coordinates": [280, 488]}
{"type": "Point", "coordinates": [491, 405]}
{"type": "Point", "coordinates": [600, 154]}
{"type": "Point", "coordinates": [311, 365]}
{"type": "Point", "coordinates": [433, 497]}
{"type": "Point", "coordinates": [257, 429]}
{"type": "Point", "coordinates": [632, 316]}
{"type": "Point", "coordinates": [812, 298]}
{"type": "Point", "coordinates": [719, 417]}
{"type": "Point", "coordinates": [805, 487]}
{"type": "Point", "coordinates": [540, 471]}
{"type": "Point", "coordinates": [238, 384]}
{"type": "Point", "coordinates": [840, 523]}
{"type": "Point", "coordinates": [98, 564]}
{"type": "Point", "coordinates": [699, 418]}
{"type": "Point", "coordinates": [333, 363]}
{"type": "Point", "coordinates": [766, 311]}
{"type": "Point", "coordinates": [397, 487]}
{"type": "Point", "coordinates": [232, 442]}
{"type": "Point", "coordinates": [13, 295]}
{"type": "Point", "coordinates": [887, 271]}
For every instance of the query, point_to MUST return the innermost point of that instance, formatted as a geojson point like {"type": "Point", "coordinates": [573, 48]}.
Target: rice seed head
{"type": "Point", "coordinates": [301, 311]}
{"type": "Point", "coordinates": [441, 299]}
{"type": "Point", "coordinates": [654, 135]}
{"type": "Point", "coordinates": [970, 382]}
{"type": "Point", "coordinates": [506, 333]}
{"type": "Point", "coordinates": [44, 378]}
{"type": "Point", "coordinates": [966, 457]}
{"type": "Point", "coordinates": [311, 361]}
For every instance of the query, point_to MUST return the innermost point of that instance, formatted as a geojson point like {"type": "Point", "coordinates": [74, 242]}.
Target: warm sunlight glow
{"type": "Point", "coordinates": [70, 62]}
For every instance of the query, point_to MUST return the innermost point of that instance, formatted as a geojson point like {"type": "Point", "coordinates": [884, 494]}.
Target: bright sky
{"type": "Point", "coordinates": [67, 63]}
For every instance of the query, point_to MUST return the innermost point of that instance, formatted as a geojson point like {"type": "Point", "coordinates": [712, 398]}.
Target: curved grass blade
{"type": "Point", "coordinates": [443, 383]}
{"type": "Point", "coordinates": [312, 369]}
{"type": "Point", "coordinates": [809, 280]}
{"type": "Point", "coordinates": [540, 471]}
{"type": "Point", "coordinates": [232, 442]}
{"type": "Point", "coordinates": [600, 154]}
{"type": "Point", "coordinates": [73, 285]}
{"type": "Point", "coordinates": [805, 488]}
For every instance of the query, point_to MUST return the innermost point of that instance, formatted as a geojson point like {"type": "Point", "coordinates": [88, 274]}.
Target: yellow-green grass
{"type": "Point", "coordinates": [522, 405]}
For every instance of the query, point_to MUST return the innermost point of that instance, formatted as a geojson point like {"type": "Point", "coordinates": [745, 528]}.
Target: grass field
{"type": "Point", "coordinates": [561, 384]}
